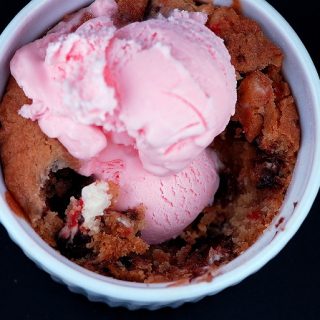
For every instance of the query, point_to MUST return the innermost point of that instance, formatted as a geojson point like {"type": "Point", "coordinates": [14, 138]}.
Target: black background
{"type": "Point", "coordinates": [288, 287]}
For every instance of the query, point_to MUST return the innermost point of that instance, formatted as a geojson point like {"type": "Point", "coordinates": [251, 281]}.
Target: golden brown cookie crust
{"type": "Point", "coordinates": [27, 154]}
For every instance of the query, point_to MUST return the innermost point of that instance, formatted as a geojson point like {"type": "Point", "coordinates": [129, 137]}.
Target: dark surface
{"type": "Point", "coordinates": [287, 288]}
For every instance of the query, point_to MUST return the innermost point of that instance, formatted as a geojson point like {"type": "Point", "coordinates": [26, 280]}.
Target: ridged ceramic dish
{"type": "Point", "coordinates": [300, 72]}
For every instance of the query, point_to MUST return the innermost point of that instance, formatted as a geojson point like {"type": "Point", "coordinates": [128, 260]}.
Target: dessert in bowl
{"type": "Point", "coordinates": [257, 151]}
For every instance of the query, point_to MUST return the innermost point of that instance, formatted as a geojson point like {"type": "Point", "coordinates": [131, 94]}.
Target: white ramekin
{"type": "Point", "coordinates": [299, 70]}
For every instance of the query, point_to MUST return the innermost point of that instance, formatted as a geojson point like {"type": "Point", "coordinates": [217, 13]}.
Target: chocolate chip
{"type": "Point", "coordinates": [268, 170]}
{"type": "Point", "coordinates": [75, 248]}
{"type": "Point", "coordinates": [228, 188]}
{"type": "Point", "coordinates": [126, 262]}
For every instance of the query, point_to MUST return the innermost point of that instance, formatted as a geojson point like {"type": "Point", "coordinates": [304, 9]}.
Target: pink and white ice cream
{"type": "Point", "coordinates": [137, 104]}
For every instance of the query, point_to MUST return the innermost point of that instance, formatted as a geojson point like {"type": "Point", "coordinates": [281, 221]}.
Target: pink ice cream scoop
{"type": "Point", "coordinates": [172, 202]}
{"type": "Point", "coordinates": [166, 85]}
{"type": "Point", "coordinates": [151, 96]}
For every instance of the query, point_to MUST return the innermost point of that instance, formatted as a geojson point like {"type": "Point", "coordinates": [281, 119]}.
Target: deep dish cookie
{"type": "Point", "coordinates": [258, 151]}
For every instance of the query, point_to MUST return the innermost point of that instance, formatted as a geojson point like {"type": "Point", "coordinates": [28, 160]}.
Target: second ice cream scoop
{"type": "Point", "coordinates": [170, 203]}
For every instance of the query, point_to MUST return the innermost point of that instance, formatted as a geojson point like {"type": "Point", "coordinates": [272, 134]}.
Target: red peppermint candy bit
{"type": "Point", "coordinates": [254, 215]}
